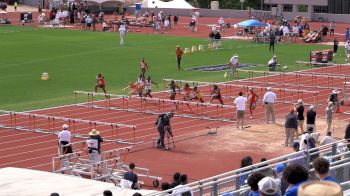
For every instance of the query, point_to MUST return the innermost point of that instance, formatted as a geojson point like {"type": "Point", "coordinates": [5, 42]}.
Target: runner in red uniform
{"type": "Point", "coordinates": [136, 89]}
{"type": "Point", "coordinates": [216, 94]}
{"type": "Point", "coordinates": [100, 83]}
{"type": "Point", "coordinates": [143, 66]}
{"type": "Point", "coordinates": [252, 100]}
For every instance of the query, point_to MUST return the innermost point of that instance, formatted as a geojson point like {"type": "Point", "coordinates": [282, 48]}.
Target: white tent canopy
{"type": "Point", "coordinates": [179, 4]}
{"type": "Point", "coordinates": [26, 182]}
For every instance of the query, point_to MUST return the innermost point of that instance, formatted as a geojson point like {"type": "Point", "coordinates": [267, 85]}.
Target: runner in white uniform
{"type": "Point", "coordinates": [148, 86]}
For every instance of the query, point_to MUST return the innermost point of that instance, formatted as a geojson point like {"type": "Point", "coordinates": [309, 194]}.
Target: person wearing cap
{"type": "Point", "coordinates": [300, 116]}
{"type": "Point", "coordinates": [320, 188]}
{"type": "Point", "coordinates": [268, 187]}
{"type": "Point", "coordinates": [291, 126]}
{"type": "Point", "coordinates": [122, 32]}
{"type": "Point", "coordinates": [311, 118]}
{"type": "Point", "coordinates": [64, 139]}
{"type": "Point", "coordinates": [268, 102]}
{"type": "Point", "coordinates": [295, 175]}
{"type": "Point", "coordinates": [240, 103]}
{"type": "Point", "coordinates": [163, 124]}
{"type": "Point", "coordinates": [234, 64]}
{"type": "Point", "coordinates": [329, 115]}
{"type": "Point", "coordinates": [252, 100]}
{"type": "Point", "coordinates": [178, 56]}
{"type": "Point", "coordinates": [272, 64]}
{"type": "Point", "coordinates": [333, 97]}
{"type": "Point", "coordinates": [321, 166]}
{"type": "Point", "coordinates": [280, 181]}
{"type": "Point", "coordinates": [94, 146]}
{"type": "Point", "coordinates": [253, 181]}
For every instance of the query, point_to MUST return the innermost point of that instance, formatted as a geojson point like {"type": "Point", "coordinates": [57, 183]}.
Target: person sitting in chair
{"type": "Point", "coordinates": [272, 63]}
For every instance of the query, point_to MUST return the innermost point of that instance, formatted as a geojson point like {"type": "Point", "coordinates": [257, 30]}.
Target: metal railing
{"type": "Point", "coordinates": [232, 181]}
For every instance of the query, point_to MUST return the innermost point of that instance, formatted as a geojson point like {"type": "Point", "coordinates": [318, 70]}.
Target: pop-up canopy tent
{"type": "Point", "coordinates": [251, 23]}
{"type": "Point", "coordinates": [178, 4]}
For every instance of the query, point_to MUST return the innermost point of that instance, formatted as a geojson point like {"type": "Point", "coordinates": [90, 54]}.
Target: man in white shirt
{"type": "Point", "coordinates": [328, 139]}
{"type": "Point", "coordinates": [268, 102]}
{"type": "Point", "coordinates": [122, 31]}
{"type": "Point", "coordinates": [64, 140]}
{"type": "Point", "coordinates": [240, 103]}
{"type": "Point", "coordinates": [234, 64]}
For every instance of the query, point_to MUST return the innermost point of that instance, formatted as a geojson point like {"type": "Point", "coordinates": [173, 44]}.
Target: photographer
{"type": "Point", "coordinates": [163, 124]}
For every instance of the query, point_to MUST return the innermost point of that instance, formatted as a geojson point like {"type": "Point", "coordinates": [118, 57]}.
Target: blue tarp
{"type": "Point", "coordinates": [251, 23]}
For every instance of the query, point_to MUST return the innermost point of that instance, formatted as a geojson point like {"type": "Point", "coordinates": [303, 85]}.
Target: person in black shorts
{"type": "Point", "coordinates": [216, 94]}
{"type": "Point", "coordinates": [299, 107]}
{"type": "Point", "coordinates": [173, 88]}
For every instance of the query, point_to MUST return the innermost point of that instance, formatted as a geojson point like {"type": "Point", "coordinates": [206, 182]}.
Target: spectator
{"type": "Point", "coordinates": [347, 34]}
{"type": "Point", "coordinates": [328, 139]}
{"type": "Point", "coordinates": [240, 103]}
{"type": "Point", "coordinates": [54, 194]}
{"type": "Point", "coordinates": [291, 126]}
{"type": "Point", "coordinates": [137, 194]}
{"type": "Point", "coordinates": [314, 153]}
{"type": "Point", "coordinates": [320, 188]}
{"type": "Point", "coordinates": [268, 102]}
{"type": "Point", "coordinates": [313, 134]}
{"type": "Point", "coordinates": [253, 181]}
{"type": "Point", "coordinates": [298, 157]}
{"type": "Point", "coordinates": [331, 28]}
{"type": "Point", "coordinates": [176, 180]}
{"type": "Point", "coordinates": [280, 181]}
{"type": "Point", "coordinates": [132, 177]}
{"type": "Point", "coordinates": [268, 187]}
{"type": "Point", "coordinates": [165, 186]}
{"type": "Point", "coordinates": [94, 146]}
{"type": "Point", "coordinates": [334, 98]}
{"type": "Point", "coordinates": [311, 118]}
{"type": "Point", "coordinates": [300, 116]}
{"type": "Point", "coordinates": [329, 116]}
{"type": "Point", "coordinates": [272, 42]}
{"type": "Point", "coordinates": [295, 175]}
{"type": "Point", "coordinates": [182, 189]}
{"type": "Point", "coordinates": [267, 171]}
{"type": "Point", "coordinates": [64, 140]}
{"type": "Point", "coordinates": [107, 193]}
{"type": "Point", "coordinates": [246, 161]}
{"type": "Point", "coordinates": [321, 166]}
{"type": "Point", "coordinates": [179, 54]}
{"type": "Point", "coordinates": [347, 134]}
{"type": "Point", "coordinates": [176, 19]}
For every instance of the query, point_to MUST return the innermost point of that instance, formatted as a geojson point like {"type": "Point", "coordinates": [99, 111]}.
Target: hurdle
{"type": "Point", "coordinates": [291, 85]}
{"type": "Point", "coordinates": [292, 73]}
{"type": "Point", "coordinates": [50, 125]}
{"type": "Point", "coordinates": [111, 168]}
{"type": "Point", "coordinates": [165, 105]}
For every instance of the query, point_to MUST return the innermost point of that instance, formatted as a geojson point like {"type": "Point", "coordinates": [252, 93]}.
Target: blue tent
{"type": "Point", "coordinates": [251, 23]}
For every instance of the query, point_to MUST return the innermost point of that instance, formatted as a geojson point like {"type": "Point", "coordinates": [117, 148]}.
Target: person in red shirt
{"type": "Point", "coordinates": [216, 94]}
{"type": "Point", "coordinates": [252, 100]}
{"type": "Point", "coordinates": [100, 83]}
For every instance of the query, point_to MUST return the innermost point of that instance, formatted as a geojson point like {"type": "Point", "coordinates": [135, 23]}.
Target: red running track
{"type": "Point", "coordinates": [35, 150]}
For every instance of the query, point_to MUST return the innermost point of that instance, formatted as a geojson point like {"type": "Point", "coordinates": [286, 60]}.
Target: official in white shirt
{"type": "Point", "coordinates": [240, 103]}
{"type": "Point", "coordinates": [64, 139]}
{"type": "Point", "coordinates": [268, 102]}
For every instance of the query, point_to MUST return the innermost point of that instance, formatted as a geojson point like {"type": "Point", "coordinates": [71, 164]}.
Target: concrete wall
{"type": "Point", "coordinates": [298, 2]}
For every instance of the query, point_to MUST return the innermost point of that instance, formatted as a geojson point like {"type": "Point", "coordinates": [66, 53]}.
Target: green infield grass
{"type": "Point", "coordinates": [73, 59]}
